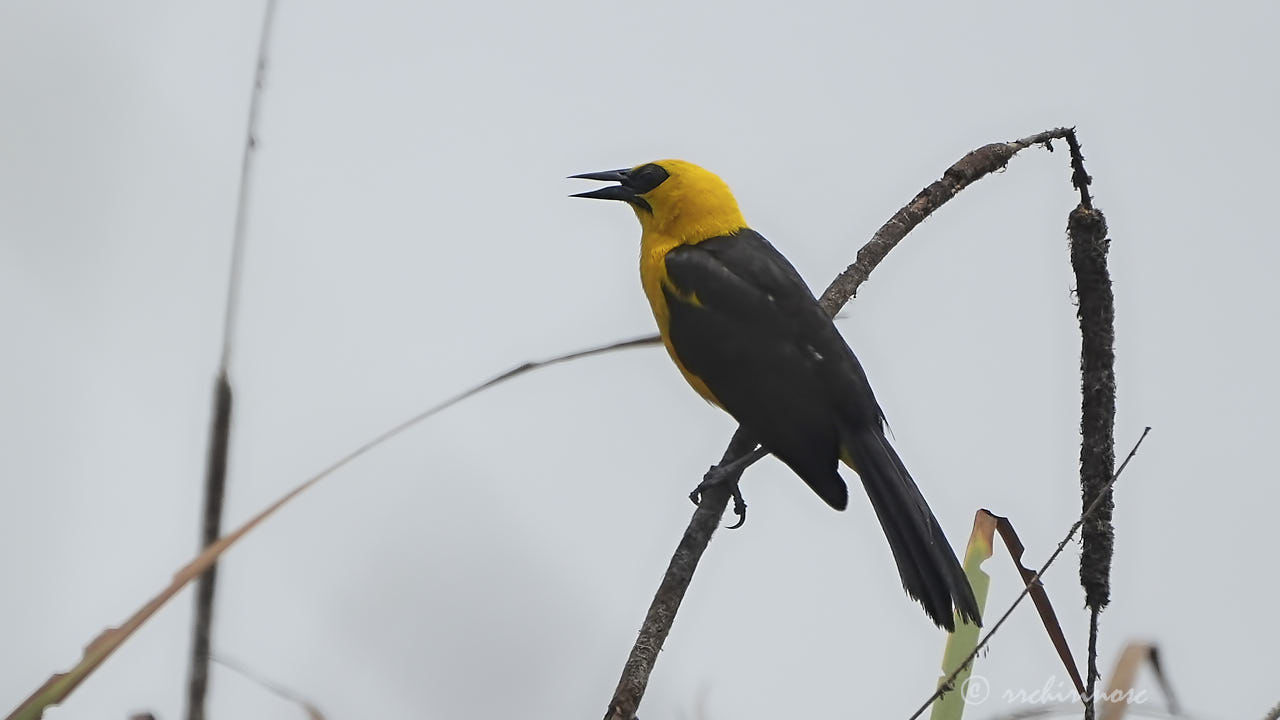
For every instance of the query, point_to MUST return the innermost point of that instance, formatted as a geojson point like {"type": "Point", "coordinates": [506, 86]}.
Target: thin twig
{"type": "Point", "coordinates": [942, 687]}
{"type": "Point", "coordinates": [220, 428]}
{"type": "Point", "coordinates": [1091, 679]}
{"type": "Point", "coordinates": [240, 231]}
{"type": "Point", "coordinates": [275, 688]}
{"type": "Point", "coordinates": [395, 430]}
{"type": "Point", "coordinates": [1071, 710]}
{"type": "Point", "coordinates": [970, 168]}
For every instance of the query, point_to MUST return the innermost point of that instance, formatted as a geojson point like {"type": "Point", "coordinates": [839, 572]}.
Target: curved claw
{"type": "Point", "coordinates": [742, 520]}
{"type": "Point", "coordinates": [739, 509]}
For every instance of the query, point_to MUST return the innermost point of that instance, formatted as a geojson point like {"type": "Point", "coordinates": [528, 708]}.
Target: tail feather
{"type": "Point", "coordinates": [930, 572]}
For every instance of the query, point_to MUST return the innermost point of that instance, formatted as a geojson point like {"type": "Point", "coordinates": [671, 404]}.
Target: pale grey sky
{"type": "Point", "coordinates": [411, 236]}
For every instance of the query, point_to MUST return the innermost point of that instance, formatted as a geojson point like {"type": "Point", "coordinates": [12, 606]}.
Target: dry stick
{"type": "Point", "coordinates": [312, 711]}
{"type": "Point", "coordinates": [215, 482]}
{"type": "Point", "coordinates": [1069, 708]}
{"type": "Point", "coordinates": [945, 685]}
{"type": "Point", "coordinates": [215, 478]}
{"type": "Point", "coordinates": [1087, 230]}
{"type": "Point", "coordinates": [662, 611]}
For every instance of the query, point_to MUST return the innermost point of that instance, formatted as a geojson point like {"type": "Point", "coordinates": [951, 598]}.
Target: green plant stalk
{"type": "Point", "coordinates": [960, 644]}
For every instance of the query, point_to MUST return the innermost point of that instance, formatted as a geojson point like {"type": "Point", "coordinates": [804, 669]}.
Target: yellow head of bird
{"type": "Point", "coordinates": [672, 197]}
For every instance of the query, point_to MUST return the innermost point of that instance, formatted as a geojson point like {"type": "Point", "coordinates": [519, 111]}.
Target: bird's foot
{"type": "Point", "coordinates": [739, 508]}
{"type": "Point", "coordinates": [715, 476]}
{"type": "Point", "coordinates": [725, 473]}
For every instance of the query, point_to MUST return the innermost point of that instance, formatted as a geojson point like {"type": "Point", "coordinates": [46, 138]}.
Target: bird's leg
{"type": "Point", "coordinates": [729, 472]}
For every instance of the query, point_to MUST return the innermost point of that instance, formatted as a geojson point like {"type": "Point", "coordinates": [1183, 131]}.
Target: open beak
{"type": "Point", "coordinates": [612, 192]}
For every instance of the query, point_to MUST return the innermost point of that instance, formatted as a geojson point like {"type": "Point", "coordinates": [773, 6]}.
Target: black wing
{"type": "Point", "coordinates": [743, 320]}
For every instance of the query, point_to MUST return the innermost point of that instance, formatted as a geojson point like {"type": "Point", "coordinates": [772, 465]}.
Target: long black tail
{"type": "Point", "coordinates": [929, 569]}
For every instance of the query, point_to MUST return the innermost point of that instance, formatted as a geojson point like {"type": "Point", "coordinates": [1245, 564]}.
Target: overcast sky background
{"type": "Point", "coordinates": [411, 236]}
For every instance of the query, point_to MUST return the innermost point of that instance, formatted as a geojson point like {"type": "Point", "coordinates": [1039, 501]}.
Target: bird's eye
{"type": "Point", "coordinates": [647, 177]}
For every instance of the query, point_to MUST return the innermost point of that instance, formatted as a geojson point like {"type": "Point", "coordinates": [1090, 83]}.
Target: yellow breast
{"type": "Point", "coordinates": [653, 276]}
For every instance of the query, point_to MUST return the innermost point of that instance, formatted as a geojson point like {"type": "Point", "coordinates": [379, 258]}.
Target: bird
{"type": "Point", "coordinates": [749, 336]}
